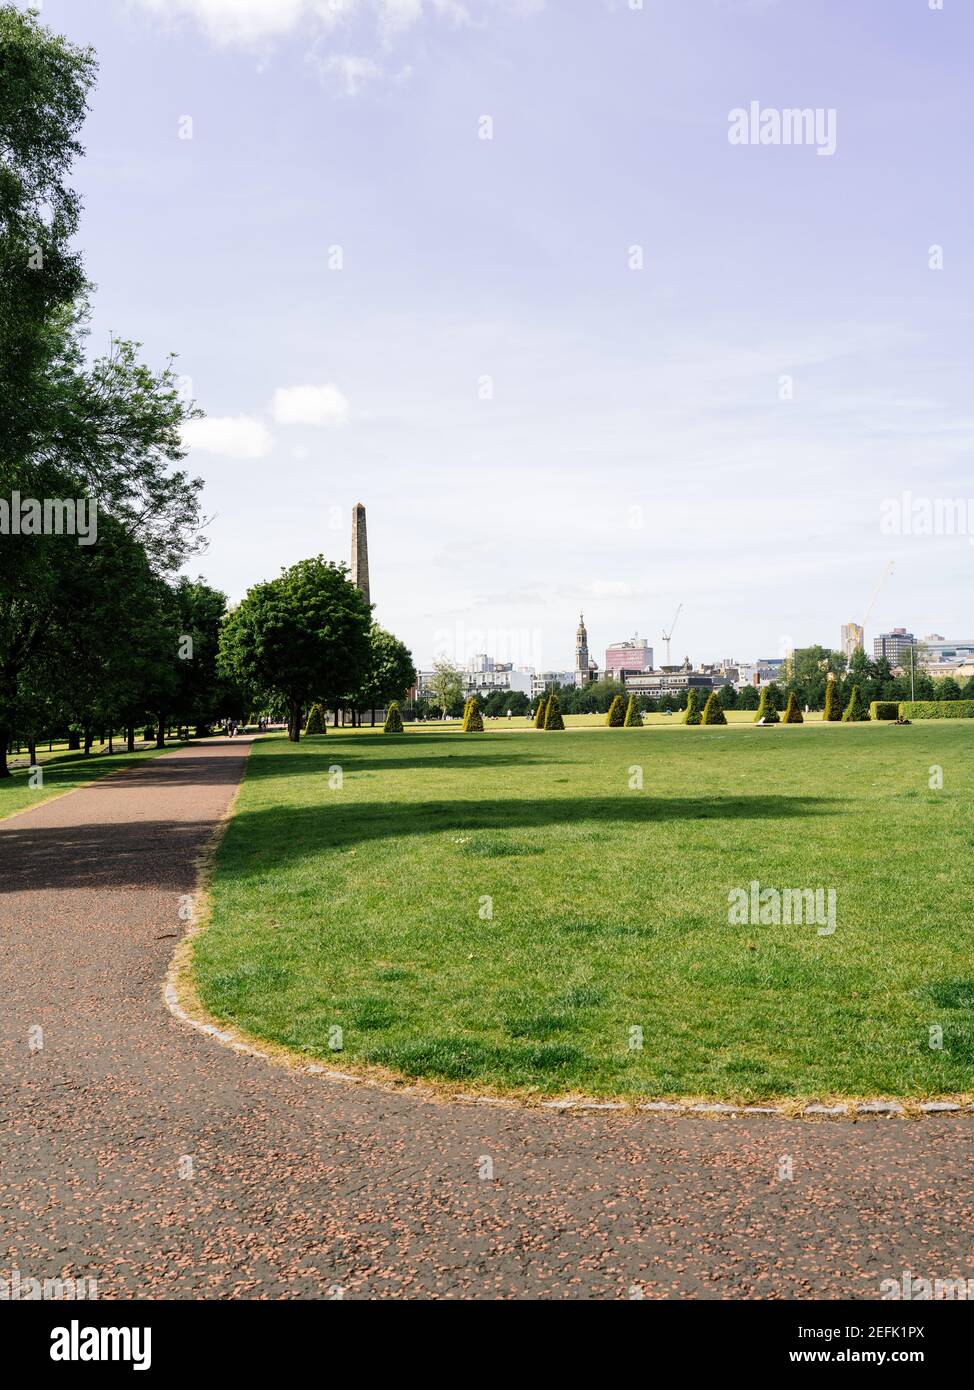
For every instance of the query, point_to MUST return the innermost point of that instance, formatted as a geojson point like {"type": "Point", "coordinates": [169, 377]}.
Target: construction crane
{"type": "Point", "coordinates": [668, 635]}
{"type": "Point", "coordinates": [875, 594]}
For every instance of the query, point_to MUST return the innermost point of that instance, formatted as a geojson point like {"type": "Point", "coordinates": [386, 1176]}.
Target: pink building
{"type": "Point", "coordinates": [634, 655]}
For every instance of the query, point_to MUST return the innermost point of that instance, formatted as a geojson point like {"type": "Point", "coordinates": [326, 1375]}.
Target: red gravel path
{"type": "Point", "coordinates": [302, 1187]}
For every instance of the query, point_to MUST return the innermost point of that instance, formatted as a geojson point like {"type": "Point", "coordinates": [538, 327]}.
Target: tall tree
{"type": "Point", "coordinates": [302, 636]}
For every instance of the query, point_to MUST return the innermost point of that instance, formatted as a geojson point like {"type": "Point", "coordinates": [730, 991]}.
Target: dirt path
{"type": "Point", "coordinates": [303, 1188]}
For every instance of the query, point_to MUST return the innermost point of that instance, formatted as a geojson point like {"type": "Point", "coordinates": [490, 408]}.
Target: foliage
{"type": "Point", "coordinates": [937, 709]}
{"type": "Point", "coordinates": [856, 710]}
{"type": "Point", "coordinates": [539, 713]}
{"type": "Point", "coordinates": [713, 712]}
{"type": "Point", "coordinates": [793, 713]}
{"type": "Point", "coordinates": [692, 715]}
{"type": "Point", "coordinates": [616, 715]}
{"type": "Point", "coordinates": [884, 709]}
{"type": "Point", "coordinates": [634, 719]}
{"type": "Point", "coordinates": [303, 635]}
{"type": "Point", "coordinates": [446, 685]}
{"type": "Point", "coordinates": [767, 710]}
{"type": "Point", "coordinates": [473, 720]}
{"type": "Point", "coordinates": [393, 724]}
{"type": "Point", "coordinates": [316, 721]}
{"type": "Point", "coordinates": [552, 715]}
{"type": "Point", "coordinates": [833, 705]}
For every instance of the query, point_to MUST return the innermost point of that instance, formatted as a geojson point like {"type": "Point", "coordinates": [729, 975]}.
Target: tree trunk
{"type": "Point", "coordinates": [32, 751]}
{"type": "Point", "coordinates": [161, 732]}
{"type": "Point", "coordinates": [74, 740]}
{"type": "Point", "coordinates": [130, 738]}
{"type": "Point", "coordinates": [335, 720]}
{"type": "Point", "coordinates": [89, 739]}
{"type": "Point", "coordinates": [111, 742]}
{"type": "Point", "coordinates": [4, 741]}
{"type": "Point", "coordinates": [373, 719]}
{"type": "Point", "coordinates": [294, 723]}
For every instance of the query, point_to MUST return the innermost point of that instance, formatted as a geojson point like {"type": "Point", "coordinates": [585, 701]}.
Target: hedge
{"type": "Point", "coordinates": [884, 709]}
{"type": "Point", "coordinates": [616, 716]}
{"type": "Point", "coordinates": [393, 724]}
{"type": "Point", "coordinates": [316, 721]}
{"type": "Point", "coordinates": [634, 719]}
{"type": "Point", "coordinates": [937, 709]}
{"type": "Point", "coordinates": [713, 710]}
{"type": "Point", "coordinates": [552, 714]}
{"type": "Point", "coordinates": [793, 712]}
{"type": "Point", "coordinates": [473, 720]}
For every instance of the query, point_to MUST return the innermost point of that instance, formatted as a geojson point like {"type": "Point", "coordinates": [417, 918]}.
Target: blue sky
{"type": "Point", "coordinates": [535, 427]}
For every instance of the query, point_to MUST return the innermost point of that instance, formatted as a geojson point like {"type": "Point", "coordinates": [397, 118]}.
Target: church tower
{"type": "Point", "coordinates": [360, 551]}
{"type": "Point", "coordinates": [581, 647]}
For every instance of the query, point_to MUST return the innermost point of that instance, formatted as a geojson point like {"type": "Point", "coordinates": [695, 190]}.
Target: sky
{"type": "Point", "coordinates": [498, 270]}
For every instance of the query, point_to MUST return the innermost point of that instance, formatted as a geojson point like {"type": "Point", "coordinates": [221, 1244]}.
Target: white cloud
{"type": "Point", "coordinates": [350, 70]}
{"type": "Point", "coordinates": [250, 22]}
{"type": "Point", "coordinates": [309, 405]}
{"type": "Point", "coordinates": [229, 436]}
{"type": "Point", "coordinates": [235, 21]}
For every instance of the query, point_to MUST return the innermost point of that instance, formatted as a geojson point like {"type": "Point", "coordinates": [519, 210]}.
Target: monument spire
{"type": "Point", "coordinates": [360, 551]}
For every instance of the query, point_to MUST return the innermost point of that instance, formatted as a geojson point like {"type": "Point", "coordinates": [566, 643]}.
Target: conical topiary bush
{"type": "Point", "coordinates": [473, 720]}
{"type": "Point", "coordinates": [634, 719]}
{"type": "Point", "coordinates": [793, 711]}
{"type": "Point", "coordinates": [552, 714]}
{"type": "Point", "coordinates": [766, 710]}
{"type": "Point", "coordinates": [857, 709]}
{"type": "Point", "coordinates": [393, 724]}
{"type": "Point", "coordinates": [833, 706]}
{"type": "Point", "coordinates": [539, 713]}
{"type": "Point", "coordinates": [692, 715]}
{"type": "Point", "coordinates": [316, 721]}
{"type": "Point", "coordinates": [713, 710]}
{"type": "Point", "coordinates": [616, 716]}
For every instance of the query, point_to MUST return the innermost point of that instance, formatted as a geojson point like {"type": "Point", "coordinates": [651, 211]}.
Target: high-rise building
{"type": "Point", "coordinates": [852, 639]}
{"type": "Point", "coordinates": [894, 646]}
{"type": "Point", "coordinates": [360, 551]}
{"type": "Point", "coordinates": [634, 655]}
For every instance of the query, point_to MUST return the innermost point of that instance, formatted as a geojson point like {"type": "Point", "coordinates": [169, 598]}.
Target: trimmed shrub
{"type": "Point", "coordinates": [539, 713]}
{"type": "Point", "coordinates": [793, 711]}
{"type": "Point", "coordinates": [884, 709]}
{"type": "Point", "coordinates": [692, 715]}
{"type": "Point", "coordinates": [833, 709]}
{"type": "Point", "coordinates": [552, 714]}
{"type": "Point", "coordinates": [393, 724]}
{"type": "Point", "coordinates": [616, 716]}
{"type": "Point", "coordinates": [316, 721]}
{"type": "Point", "coordinates": [855, 711]}
{"type": "Point", "coordinates": [473, 720]}
{"type": "Point", "coordinates": [713, 710]}
{"type": "Point", "coordinates": [937, 709]}
{"type": "Point", "coordinates": [634, 719]}
{"type": "Point", "coordinates": [766, 709]}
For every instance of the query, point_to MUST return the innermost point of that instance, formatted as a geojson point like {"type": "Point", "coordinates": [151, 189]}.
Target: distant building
{"type": "Point", "coordinates": [542, 681]}
{"type": "Point", "coordinates": [937, 651]}
{"type": "Point", "coordinates": [894, 646]}
{"type": "Point", "coordinates": [585, 670]}
{"type": "Point", "coordinates": [634, 655]}
{"type": "Point", "coordinates": [671, 680]}
{"type": "Point", "coordinates": [852, 639]}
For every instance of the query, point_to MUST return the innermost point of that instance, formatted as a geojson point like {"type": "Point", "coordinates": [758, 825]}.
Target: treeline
{"type": "Point", "coordinates": [98, 634]}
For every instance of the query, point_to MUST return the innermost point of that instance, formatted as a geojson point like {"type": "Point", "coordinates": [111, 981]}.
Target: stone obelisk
{"type": "Point", "coordinates": [360, 551]}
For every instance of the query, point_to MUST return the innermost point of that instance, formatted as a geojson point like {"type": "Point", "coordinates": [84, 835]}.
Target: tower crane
{"type": "Point", "coordinates": [668, 635]}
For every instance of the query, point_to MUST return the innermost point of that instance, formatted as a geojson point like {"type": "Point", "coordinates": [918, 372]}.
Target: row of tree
{"type": "Point", "coordinates": [98, 633]}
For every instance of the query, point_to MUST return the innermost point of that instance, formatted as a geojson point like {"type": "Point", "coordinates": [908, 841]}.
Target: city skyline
{"type": "Point", "coordinates": [562, 375]}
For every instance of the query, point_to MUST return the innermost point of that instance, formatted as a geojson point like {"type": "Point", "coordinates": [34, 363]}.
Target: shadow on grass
{"type": "Point", "coordinates": [284, 835]}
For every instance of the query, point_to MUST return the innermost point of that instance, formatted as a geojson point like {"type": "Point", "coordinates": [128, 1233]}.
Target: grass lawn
{"type": "Point", "coordinates": [62, 773]}
{"type": "Point", "coordinates": [361, 907]}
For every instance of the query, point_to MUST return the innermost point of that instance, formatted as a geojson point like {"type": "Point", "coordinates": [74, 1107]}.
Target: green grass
{"type": "Point", "coordinates": [63, 772]}
{"type": "Point", "coordinates": [360, 907]}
